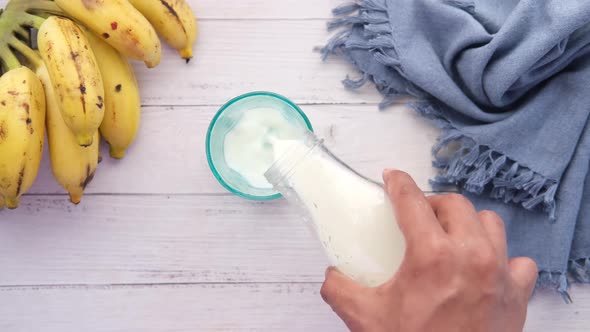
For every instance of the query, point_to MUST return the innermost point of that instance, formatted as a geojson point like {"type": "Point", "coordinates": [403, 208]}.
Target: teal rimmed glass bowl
{"type": "Point", "coordinates": [225, 120]}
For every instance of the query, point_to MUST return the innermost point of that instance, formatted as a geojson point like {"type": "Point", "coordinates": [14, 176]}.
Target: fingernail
{"type": "Point", "coordinates": [387, 173]}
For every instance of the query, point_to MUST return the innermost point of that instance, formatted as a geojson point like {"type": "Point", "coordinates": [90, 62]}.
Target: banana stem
{"type": "Point", "coordinates": [33, 57]}
{"type": "Point", "coordinates": [13, 21]}
{"type": "Point", "coordinates": [46, 7]}
{"type": "Point", "coordinates": [31, 20]}
{"type": "Point", "coordinates": [22, 33]}
{"type": "Point", "coordinates": [11, 18]}
{"type": "Point", "coordinates": [9, 60]}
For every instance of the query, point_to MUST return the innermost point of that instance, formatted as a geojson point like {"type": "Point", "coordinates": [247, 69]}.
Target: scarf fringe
{"type": "Point", "coordinates": [579, 270]}
{"type": "Point", "coordinates": [557, 281]}
{"type": "Point", "coordinates": [372, 16]}
{"type": "Point", "coordinates": [478, 169]}
{"type": "Point", "coordinates": [474, 167]}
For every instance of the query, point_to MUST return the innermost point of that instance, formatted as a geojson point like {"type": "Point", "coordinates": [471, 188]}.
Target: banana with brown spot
{"type": "Point", "coordinates": [76, 77]}
{"type": "Point", "coordinates": [73, 166]}
{"type": "Point", "coordinates": [22, 133]}
{"type": "Point", "coordinates": [120, 25]}
{"type": "Point", "coordinates": [122, 100]}
{"type": "Point", "coordinates": [174, 20]}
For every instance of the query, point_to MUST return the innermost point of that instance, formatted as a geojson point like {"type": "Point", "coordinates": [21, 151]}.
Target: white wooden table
{"type": "Point", "coordinates": [158, 245]}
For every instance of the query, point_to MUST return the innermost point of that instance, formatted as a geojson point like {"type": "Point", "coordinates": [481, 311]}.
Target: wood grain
{"type": "Point", "coordinates": [265, 9]}
{"type": "Point", "coordinates": [156, 239]}
{"type": "Point", "coordinates": [169, 154]}
{"type": "Point", "coordinates": [110, 251]}
{"type": "Point", "coordinates": [209, 307]}
{"type": "Point", "coordinates": [231, 55]}
{"type": "Point", "coordinates": [179, 308]}
{"type": "Point", "coordinates": [206, 10]}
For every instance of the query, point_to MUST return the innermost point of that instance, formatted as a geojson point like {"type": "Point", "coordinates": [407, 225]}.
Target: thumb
{"type": "Point", "coordinates": [342, 293]}
{"type": "Point", "coordinates": [524, 272]}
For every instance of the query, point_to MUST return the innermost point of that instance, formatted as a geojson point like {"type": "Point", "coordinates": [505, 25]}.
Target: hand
{"type": "Point", "coordinates": [455, 276]}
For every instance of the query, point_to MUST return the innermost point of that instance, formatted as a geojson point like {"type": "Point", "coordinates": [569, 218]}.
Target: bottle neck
{"type": "Point", "coordinates": [290, 154]}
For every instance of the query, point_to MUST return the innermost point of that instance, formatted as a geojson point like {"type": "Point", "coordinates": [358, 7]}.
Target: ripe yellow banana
{"type": "Point", "coordinates": [120, 24]}
{"type": "Point", "coordinates": [73, 165]}
{"type": "Point", "coordinates": [122, 101]}
{"type": "Point", "coordinates": [76, 77]}
{"type": "Point", "coordinates": [22, 133]}
{"type": "Point", "coordinates": [174, 20]}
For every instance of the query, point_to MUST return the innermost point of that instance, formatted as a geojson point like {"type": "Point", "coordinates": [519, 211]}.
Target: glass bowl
{"type": "Point", "coordinates": [223, 122]}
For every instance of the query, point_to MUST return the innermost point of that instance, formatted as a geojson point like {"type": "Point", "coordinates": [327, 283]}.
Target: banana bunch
{"type": "Point", "coordinates": [66, 72]}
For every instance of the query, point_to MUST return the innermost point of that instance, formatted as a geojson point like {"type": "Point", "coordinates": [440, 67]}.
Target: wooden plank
{"type": "Point", "coordinates": [239, 56]}
{"type": "Point", "coordinates": [205, 307]}
{"type": "Point", "coordinates": [156, 239]}
{"type": "Point", "coordinates": [548, 312]}
{"type": "Point", "coordinates": [259, 9]}
{"type": "Point", "coordinates": [169, 155]}
{"type": "Point", "coordinates": [166, 308]}
{"type": "Point", "coordinates": [264, 9]}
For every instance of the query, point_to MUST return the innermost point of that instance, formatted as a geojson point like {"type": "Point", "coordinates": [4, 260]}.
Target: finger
{"type": "Point", "coordinates": [413, 213]}
{"type": "Point", "coordinates": [456, 215]}
{"type": "Point", "coordinates": [343, 294]}
{"type": "Point", "coordinates": [524, 272]}
{"type": "Point", "coordinates": [493, 225]}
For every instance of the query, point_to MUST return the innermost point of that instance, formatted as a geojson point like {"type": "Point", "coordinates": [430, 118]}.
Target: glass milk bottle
{"type": "Point", "coordinates": [351, 215]}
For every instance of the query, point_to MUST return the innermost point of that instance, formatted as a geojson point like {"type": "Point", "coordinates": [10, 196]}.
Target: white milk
{"type": "Point", "coordinates": [351, 215]}
{"type": "Point", "coordinates": [247, 147]}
